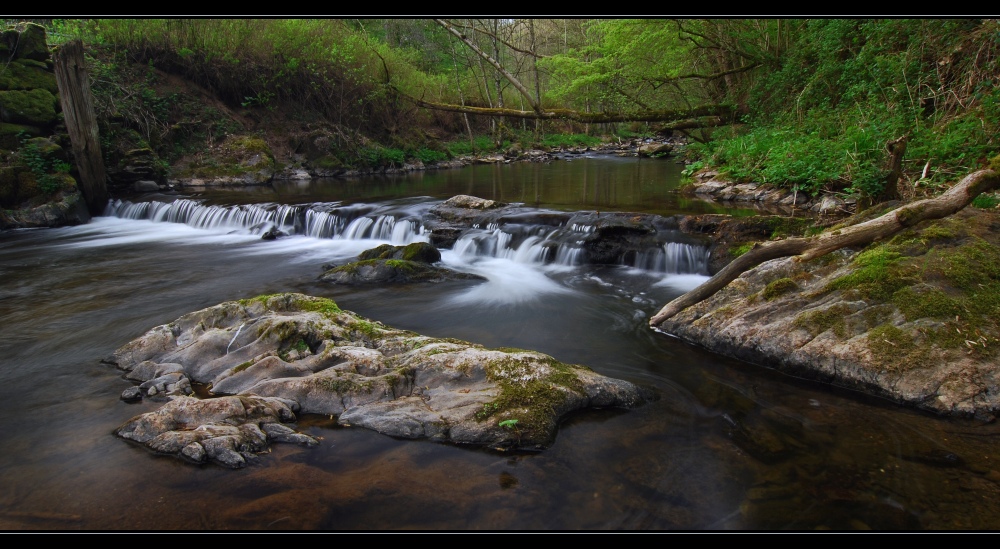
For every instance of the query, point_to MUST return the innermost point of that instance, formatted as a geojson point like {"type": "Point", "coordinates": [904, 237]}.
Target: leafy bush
{"type": "Point", "coordinates": [462, 147]}
{"type": "Point", "coordinates": [557, 140]}
{"type": "Point", "coordinates": [429, 156]}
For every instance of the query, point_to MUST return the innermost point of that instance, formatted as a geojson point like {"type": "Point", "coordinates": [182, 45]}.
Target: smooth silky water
{"type": "Point", "coordinates": [729, 445]}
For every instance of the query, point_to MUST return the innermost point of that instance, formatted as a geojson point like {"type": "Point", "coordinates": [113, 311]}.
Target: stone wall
{"type": "Point", "coordinates": [37, 183]}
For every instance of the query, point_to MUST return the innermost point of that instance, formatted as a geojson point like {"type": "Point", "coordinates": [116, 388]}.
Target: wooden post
{"type": "Point", "coordinates": [81, 123]}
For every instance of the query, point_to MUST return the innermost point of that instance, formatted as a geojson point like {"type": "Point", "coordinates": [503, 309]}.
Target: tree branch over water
{"type": "Point", "coordinates": [862, 234]}
{"type": "Point", "coordinates": [704, 116]}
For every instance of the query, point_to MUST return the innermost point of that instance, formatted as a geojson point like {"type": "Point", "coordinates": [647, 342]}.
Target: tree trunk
{"type": "Point", "coordinates": [81, 123]}
{"type": "Point", "coordinates": [862, 234]}
{"type": "Point", "coordinates": [713, 115]}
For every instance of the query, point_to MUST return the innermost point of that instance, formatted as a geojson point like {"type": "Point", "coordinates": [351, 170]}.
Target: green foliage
{"type": "Point", "coordinates": [329, 66]}
{"type": "Point", "coordinates": [462, 147]}
{"type": "Point", "coordinates": [740, 249]}
{"type": "Point", "coordinates": [558, 140]}
{"type": "Point", "coordinates": [986, 201]}
{"type": "Point", "coordinates": [44, 165]}
{"type": "Point", "coordinates": [820, 117]}
{"type": "Point", "coordinates": [429, 156]}
{"type": "Point", "coordinates": [692, 168]}
{"type": "Point", "coordinates": [620, 65]}
{"type": "Point", "coordinates": [381, 157]}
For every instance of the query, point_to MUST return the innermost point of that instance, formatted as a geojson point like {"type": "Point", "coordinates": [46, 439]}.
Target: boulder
{"type": "Point", "coordinates": [912, 320]}
{"type": "Point", "coordinates": [391, 271]}
{"type": "Point", "coordinates": [388, 264]}
{"type": "Point", "coordinates": [316, 358]}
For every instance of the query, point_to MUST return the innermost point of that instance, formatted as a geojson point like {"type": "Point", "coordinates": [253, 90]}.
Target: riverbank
{"type": "Point", "coordinates": [912, 320]}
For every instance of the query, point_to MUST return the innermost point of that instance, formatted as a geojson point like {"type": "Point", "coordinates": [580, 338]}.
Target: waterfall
{"type": "Point", "coordinates": [674, 258]}
{"type": "Point", "coordinates": [324, 221]}
{"type": "Point", "coordinates": [524, 244]}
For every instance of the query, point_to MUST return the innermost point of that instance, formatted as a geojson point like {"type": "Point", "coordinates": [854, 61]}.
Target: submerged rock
{"type": "Point", "coordinates": [307, 351]}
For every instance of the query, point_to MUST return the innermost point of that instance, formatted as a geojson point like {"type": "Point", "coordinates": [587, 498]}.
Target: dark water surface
{"type": "Point", "coordinates": [729, 446]}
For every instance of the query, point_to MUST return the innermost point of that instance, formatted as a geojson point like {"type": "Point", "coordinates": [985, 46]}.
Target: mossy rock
{"type": "Point", "coordinates": [326, 162]}
{"type": "Point", "coordinates": [33, 107]}
{"type": "Point", "coordinates": [11, 134]}
{"type": "Point", "coordinates": [391, 271]}
{"type": "Point", "coordinates": [422, 252]}
{"type": "Point", "coordinates": [319, 359]}
{"type": "Point", "coordinates": [27, 75]}
{"type": "Point", "coordinates": [241, 159]}
{"type": "Point", "coordinates": [27, 40]}
{"type": "Point", "coordinates": [46, 146]}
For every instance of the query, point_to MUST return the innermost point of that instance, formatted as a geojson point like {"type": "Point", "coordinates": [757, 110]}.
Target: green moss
{"type": "Point", "coordinates": [421, 252]}
{"type": "Point", "coordinates": [995, 163]}
{"type": "Point", "coordinates": [383, 251]}
{"type": "Point", "coordinates": [401, 265]}
{"type": "Point", "coordinates": [36, 107]}
{"type": "Point", "coordinates": [788, 226]}
{"type": "Point", "coordinates": [532, 388]}
{"type": "Point", "coordinates": [248, 144]}
{"type": "Point", "coordinates": [327, 162]}
{"type": "Point", "coordinates": [877, 275]}
{"type": "Point", "coordinates": [346, 384]}
{"type": "Point", "coordinates": [942, 230]}
{"type": "Point", "coordinates": [263, 298]}
{"type": "Point", "coordinates": [365, 328]}
{"type": "Point", "coordinates": [740, 249]}
{"type": "Point", "coordinates": [910, 215]}
{"type": "Point", "coordinates": [875, 315]}
{"type": "Point", "coordinates": [928, 302]}
{"type": "Point", "coordinates": [21, 75]}
{"type": "Point", "coordinates": [298, 345]}
{"type": "Point", "coordinates": [243, 366]}
{"type": "Point", "coordinates": [973, 264]}
{"type": "Point", "coordinates": [779, 288]}
{"type": "Point", "coordinates": [321, 305]}
{"type": "Point", "coordinates": [831, 318]}
{"type": "Point", "coordinates": [895, 350]}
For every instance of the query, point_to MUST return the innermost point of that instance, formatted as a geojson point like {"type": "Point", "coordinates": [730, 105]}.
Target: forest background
{"type": "Point", "coordinates": [808, 104]}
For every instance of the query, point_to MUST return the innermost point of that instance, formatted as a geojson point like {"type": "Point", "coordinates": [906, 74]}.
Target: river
{"type": "Point", "coordinates": [728, 446]}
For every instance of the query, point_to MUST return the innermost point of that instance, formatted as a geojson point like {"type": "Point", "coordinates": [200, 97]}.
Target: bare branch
{"type": "Point", "coordinates": [501, 40]}
{"type": "Point", "coordinates": [744, 68]}
{"type": "Point", "coordinates": [496, 64]}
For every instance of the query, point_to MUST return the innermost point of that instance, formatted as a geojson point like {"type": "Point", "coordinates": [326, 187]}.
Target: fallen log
{"type": "Point", "coordinates": [862, 234]}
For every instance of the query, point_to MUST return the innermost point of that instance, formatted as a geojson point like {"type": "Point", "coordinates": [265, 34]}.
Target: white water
{"type": "Point", "coordinates": [520, 262]}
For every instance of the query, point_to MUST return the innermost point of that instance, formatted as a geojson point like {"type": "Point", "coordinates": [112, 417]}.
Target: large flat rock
{"type": "Point", "coordinates": [311, 357]}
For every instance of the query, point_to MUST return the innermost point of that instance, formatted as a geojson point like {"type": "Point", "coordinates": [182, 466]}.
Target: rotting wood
{"type": "Point", "coordinates": [710, 115]}
{"type": "Point", "coordinates": [81, 123]}
{"type": "Point", "coordinates": [862, 234]}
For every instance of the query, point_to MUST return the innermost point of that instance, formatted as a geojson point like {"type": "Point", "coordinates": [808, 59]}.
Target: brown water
{"type": "Point", "coordinates": [729, 446]}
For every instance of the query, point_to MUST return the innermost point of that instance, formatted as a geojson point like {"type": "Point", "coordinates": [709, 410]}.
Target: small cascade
{"type": "Point", "coordinates": [674, 258]}
{"type": "Point", "coordinates": [317, 221]}
{"type": "Point", "coordinates": [524, 244]}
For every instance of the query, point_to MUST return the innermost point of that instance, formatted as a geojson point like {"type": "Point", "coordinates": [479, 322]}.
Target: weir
{"type": "Point", "coordinates": [527, 243]}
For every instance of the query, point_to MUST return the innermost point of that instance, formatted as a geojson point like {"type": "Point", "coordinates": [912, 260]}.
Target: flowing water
{"type": "Point", "coordinates": [729, 446]}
